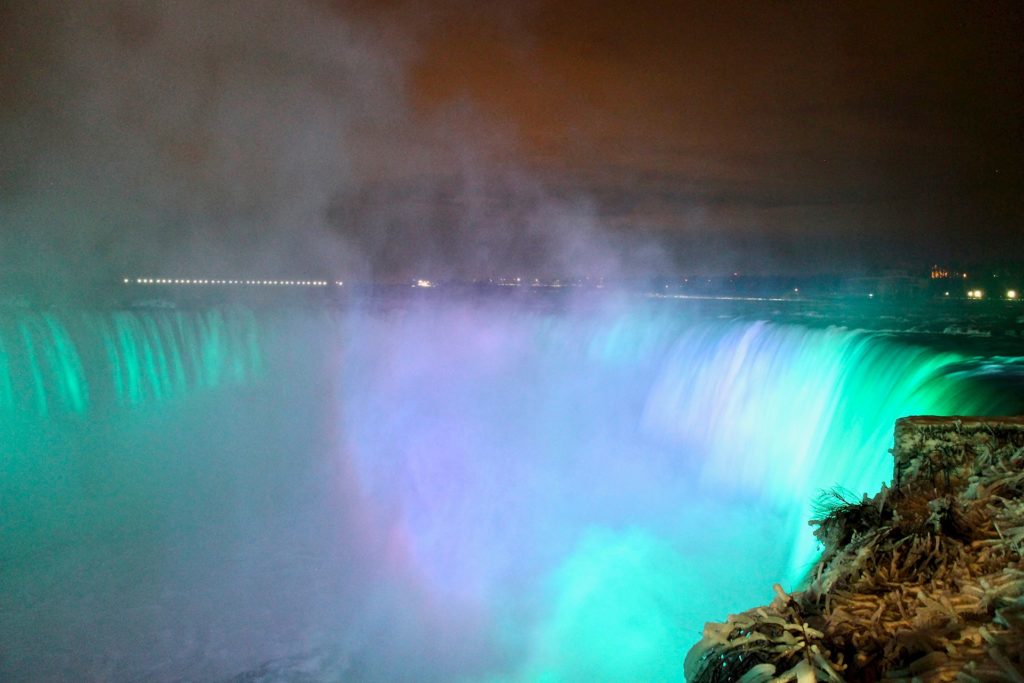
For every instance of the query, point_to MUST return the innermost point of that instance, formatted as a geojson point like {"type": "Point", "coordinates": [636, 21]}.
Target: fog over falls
{"type": "Point", "coordinates": [485, 492]}
{"type": "Point", "coordinates": [432, 489]}
{"type": "Point", "coordinates": [260, 140]}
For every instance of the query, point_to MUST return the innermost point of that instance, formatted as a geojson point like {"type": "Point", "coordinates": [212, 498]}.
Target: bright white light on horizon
{"type": "Point", "coordinates": [221, 282]}
{"type": "Point", "coordinates": [1011, 294]}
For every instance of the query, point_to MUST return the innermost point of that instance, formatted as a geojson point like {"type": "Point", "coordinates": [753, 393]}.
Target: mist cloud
{"type": "Point", "coordinates": [184, 136]}
{"type": "Point", "coordinates": [264, 139]}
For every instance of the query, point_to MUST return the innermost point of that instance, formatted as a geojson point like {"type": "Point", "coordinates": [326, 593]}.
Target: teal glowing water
{"type": "Point", "coordinates": [651, 471]}
{"type": "Point", "coordinates": [59, 363]}
{"type": "Point", "coordinates": [445, 494]}
{"type": "Point", "coordinates": [782, 413]}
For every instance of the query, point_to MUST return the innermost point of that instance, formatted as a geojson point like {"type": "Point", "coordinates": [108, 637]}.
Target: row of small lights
{"type": "Point", "coordinates": [192, 281]}
{"type": "Point", "coordinates": [971, 294]}
{"type": "Point", "coordinates": [1011, 294]}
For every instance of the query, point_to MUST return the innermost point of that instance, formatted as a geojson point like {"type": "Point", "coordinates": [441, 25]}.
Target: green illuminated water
{"type": "Point", "coordinates": [782, 412]}
{"type": "Point", "coordinates": [70, 362]}
{"type": "Point", "coordinates": [661, 468]}
{"type": "Point", "coordinates": [454, 494]}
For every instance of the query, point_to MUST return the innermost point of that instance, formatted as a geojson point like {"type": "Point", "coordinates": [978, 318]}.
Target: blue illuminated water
{"type": "Point", "coordinates": [430, 491]}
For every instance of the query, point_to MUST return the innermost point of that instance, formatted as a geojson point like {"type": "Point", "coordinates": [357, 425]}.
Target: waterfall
{"type": "Point", "coordinates": [502, 492]}
{"type": "Point", "coordinates": [648, 469]}
{"type": "Point", "coordinates": [54, 362]}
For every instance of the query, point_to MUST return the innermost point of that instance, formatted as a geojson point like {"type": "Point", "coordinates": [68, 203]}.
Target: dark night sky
{"type": "Point", "coordinates": [463, 138]}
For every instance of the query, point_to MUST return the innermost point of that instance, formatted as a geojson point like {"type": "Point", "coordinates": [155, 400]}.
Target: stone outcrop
{"type": "Point", "coordinates": [922, 582]}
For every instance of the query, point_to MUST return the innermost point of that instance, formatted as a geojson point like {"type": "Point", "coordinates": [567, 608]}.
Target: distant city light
{"type": "Point", "coordinates": [973, 294]}
{"type": "Point", "coordinates": [225, 281]}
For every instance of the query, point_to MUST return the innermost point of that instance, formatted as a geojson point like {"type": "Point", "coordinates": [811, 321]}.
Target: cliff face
{"type": "Point", "coordinates": [923, 582]}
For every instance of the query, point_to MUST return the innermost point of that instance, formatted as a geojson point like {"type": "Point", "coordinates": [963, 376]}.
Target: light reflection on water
{"type": "Point", "coordinates": [427, 492]}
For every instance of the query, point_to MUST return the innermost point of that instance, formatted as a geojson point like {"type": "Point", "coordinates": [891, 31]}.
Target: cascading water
{"type": "Point", "coordinates": [59, 363]}
{"type": "Point", "coordinates": [431, 493]}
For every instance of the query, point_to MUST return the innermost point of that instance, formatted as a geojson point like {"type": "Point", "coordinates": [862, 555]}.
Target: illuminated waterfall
{"type": "Point", "coordinates": [53, 363]}
{"type": "Point", "coordinates": [646, 470]}
{"type": "Point", "coordinates": [782, 413]}
{"type": "Point", "coordinates": [518, 495]}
